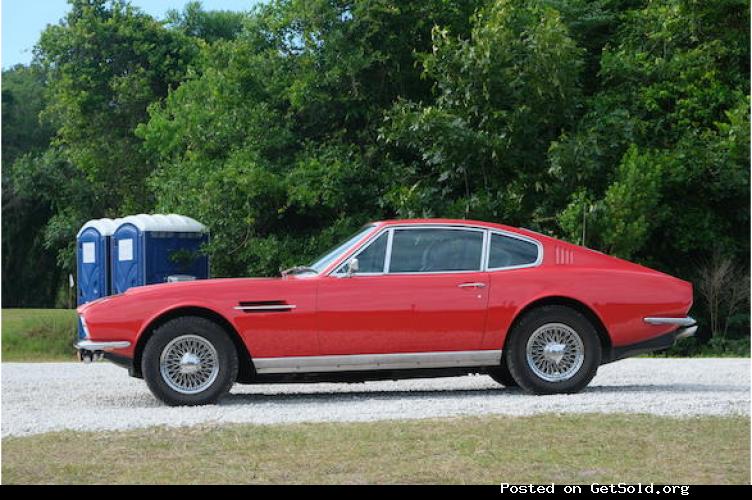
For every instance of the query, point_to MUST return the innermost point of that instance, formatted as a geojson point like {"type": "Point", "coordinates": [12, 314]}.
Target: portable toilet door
{"type": "Point", "coordinates": [127, 257]}
{"type": "Point", "coordinates": [92, 260]}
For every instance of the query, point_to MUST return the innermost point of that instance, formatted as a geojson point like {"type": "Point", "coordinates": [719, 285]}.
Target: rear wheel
{"type": "Point", "coordinates": [553, 349]}
{"type": "Point", "coordinates": [189, 361]}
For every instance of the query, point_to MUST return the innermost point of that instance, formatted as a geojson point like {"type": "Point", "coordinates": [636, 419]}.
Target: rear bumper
{"type": "Point", "coordinates": [686, 327]}
{"type": "Point", "coordinates": [659, 320]}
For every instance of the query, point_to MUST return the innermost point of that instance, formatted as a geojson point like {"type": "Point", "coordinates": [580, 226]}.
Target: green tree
{"type": "Point", "coordinates": [209, 26]}
{"type": "Point", "coordinates": [669, 125]}
{"type": "Point", "coordinates": [22, 97]}
{"type": "Point", "coordinates": [501, 96]}
{"type": "Point", "coordinates": [29, 274]}
{"type": "Point", "coordinates": [103, 64]}
{"type": "Point", "coordinates": [106, 62]}
{"type": "Point", "coordinates": [273, 143]}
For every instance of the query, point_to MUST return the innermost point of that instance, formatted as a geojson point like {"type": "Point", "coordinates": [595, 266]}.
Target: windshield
{"type": "Point", "coordinates": [323, 262]}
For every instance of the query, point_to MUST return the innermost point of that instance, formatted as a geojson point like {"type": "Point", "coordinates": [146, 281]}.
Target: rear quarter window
{"type": "Point", "coordinates": [505, 251]}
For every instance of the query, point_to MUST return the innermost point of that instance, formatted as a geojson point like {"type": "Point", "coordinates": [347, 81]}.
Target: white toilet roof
{"type": "Point", "coordinates": [173, 223]}
{"type": "Point", "coordinates": [105, 226]}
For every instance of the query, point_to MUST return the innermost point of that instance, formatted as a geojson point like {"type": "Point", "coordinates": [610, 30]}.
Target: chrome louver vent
{"type": "Point", "coordinates": [564, 256]}
{"type": "Point", "coordinates": [264, 306]}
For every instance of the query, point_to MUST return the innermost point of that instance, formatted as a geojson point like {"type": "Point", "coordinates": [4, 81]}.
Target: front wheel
{"type": "Point", "coordinates": [553, 349]}
{"type": "Point", "coordinates": [189, 361]}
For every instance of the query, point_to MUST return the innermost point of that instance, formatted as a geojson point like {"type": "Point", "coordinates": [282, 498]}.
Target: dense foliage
{"type": "Point", "coordinates": [620, 124]}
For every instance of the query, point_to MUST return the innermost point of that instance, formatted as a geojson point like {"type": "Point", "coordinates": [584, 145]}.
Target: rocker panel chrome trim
{"type": "Point", "coordinates": [356, 362]}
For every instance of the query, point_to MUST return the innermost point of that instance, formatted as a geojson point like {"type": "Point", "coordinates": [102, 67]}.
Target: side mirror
{"type": "Point", "coordinates": [352, 267]}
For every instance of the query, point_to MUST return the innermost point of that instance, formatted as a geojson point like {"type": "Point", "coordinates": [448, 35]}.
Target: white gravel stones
{"type": "Point", "coordinates": [44, 397]}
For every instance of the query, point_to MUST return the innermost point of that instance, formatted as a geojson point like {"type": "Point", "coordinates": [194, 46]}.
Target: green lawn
{"type": "Point", "coordinates": [39, 334]}
{"type": "Point", "coordinates": [490, 450]}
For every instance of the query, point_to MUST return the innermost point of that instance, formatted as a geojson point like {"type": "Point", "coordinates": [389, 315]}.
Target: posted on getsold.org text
{"type": "Point", "coordinates": [593, 488]}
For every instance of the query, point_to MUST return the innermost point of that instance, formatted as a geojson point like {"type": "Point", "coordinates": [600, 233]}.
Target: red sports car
{"type": "Point", "coordinates": [398, 299]}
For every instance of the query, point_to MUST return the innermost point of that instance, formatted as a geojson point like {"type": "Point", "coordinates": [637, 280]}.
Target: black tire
{"type": "Point", "coordinates": [516, 350]}
{"type": "Point", "coordinates": [214, 335]}
{"type": "Point", "coordinates": [501, 375]}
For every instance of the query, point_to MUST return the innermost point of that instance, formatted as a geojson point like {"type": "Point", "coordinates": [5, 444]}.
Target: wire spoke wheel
{"type": "Point", "coordinates": [189, 364]}
{"type": "Point", "coordinates": [555, 352]}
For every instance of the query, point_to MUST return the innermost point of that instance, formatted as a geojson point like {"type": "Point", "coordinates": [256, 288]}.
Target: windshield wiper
{"type": "Point", "coordinates": [298, 270]}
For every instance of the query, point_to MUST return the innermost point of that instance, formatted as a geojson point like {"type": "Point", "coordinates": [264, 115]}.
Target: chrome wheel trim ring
{"type": "Point", "coordinates": [555, 352]}
{"type": "Point", "coordinates": [189, 364]}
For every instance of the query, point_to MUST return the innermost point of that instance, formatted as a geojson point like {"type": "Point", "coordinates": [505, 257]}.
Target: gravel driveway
{"type": "Point", "coordinates": [43, 397]}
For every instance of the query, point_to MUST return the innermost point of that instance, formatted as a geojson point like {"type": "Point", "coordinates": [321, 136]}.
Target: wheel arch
{"type": "Point", "coordinates": [577, 305]}
{"type": "Point", "coordinates": [246, 371]}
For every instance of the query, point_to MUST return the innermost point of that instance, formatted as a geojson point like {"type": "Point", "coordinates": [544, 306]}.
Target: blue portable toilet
{"type": "Point", "coordinates": [93, 259]}
{"type": "Point", "coordinates": [148, 249]}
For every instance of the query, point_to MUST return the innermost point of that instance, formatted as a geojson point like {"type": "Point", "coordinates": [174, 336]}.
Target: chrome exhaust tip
{"type": "Point", "coordinates": [685, 332]}
{"type": "Point", "coordinates": [87, 357]}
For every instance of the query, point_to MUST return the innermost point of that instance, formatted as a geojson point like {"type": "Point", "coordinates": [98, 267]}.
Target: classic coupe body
{"type": "Point", "coordinates": [399, 299]}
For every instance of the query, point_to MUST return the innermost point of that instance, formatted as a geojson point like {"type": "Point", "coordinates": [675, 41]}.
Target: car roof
{"type": "Point", "coordinates": [458, 222]}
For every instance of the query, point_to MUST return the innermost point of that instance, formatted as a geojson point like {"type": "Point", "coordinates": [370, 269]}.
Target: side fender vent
{"type": "Point", "coordinates": [258, 306]}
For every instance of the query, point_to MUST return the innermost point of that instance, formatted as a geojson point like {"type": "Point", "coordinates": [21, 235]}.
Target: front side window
{"type": "Point", "coordinates": [435, 250]}
{"type": "Point", "coordinates": [323, 262]}
{"type": "Point", "coordinates": [371, 259]}
{"type": "Point", "coordinates": [506, 251]}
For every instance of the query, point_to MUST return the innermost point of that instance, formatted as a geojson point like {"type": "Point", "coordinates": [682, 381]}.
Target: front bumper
{"type": "Point", "coordinates": [89, 350]}
{"type": "Point", "coordinates": [686, 327]}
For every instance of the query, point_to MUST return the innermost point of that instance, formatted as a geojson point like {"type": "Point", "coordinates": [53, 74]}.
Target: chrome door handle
{"type": "Point", "coordinates": [472, 285]}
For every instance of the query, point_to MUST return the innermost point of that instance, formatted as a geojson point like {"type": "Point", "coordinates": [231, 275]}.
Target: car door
{"type": "Point", "coordinates": [418, 289]}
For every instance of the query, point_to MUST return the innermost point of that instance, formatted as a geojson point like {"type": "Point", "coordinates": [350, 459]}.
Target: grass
{"type": "Point", "coordinates": [717, 347]}
{"type": "Point", "coordinates": [490, 450]}
{"type": "Point", "coordinates": [38, 334]}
